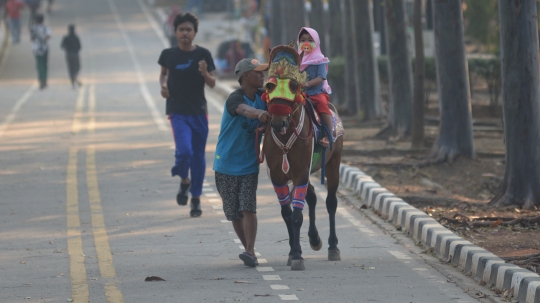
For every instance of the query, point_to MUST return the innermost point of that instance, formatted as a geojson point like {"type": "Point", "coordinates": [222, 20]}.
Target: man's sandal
{"type": "Point", "coordinates": [249, 259]}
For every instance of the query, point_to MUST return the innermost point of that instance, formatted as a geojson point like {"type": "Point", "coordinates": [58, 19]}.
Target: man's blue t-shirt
{"type": "Point", "coordinates": [235, 151]}
{"type": "Point", "coordinates": [314, 71]}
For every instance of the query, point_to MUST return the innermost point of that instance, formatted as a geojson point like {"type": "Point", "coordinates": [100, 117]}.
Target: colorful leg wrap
{"type": "Point", "coordinates": [299, 196]}
{"type": "Point", "coordinates": [282, 193]}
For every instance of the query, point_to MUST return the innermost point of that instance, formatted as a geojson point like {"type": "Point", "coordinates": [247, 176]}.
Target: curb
{"type": "Point", "coordinates": [477, 262]}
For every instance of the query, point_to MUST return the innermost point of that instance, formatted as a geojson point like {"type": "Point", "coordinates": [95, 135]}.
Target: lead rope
{"type": "Point", "coordinates": [286, 147]}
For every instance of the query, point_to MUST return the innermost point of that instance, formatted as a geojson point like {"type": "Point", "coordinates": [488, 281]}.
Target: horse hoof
{"type": "Point", "coordinates": [289, 261]}
{"type": "Point", "coordinates": [334, 255]}
{"type": "Point", "coordinates": [298, 265]}
{"type": "Point", "coordinates": [318, 247]}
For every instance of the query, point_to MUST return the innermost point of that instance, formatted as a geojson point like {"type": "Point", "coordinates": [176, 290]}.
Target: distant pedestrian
{"type": "Point", "coordinates": [197, 5]}
{"type": "Point", "coordinates": [236, 163]}
{"type": "Point", "coordinates": [40, 35]}
{"type": "Point", "coordinates": [72, 45]}
{"type": "Point", "coordinates": [33, 5]}
{"type": "Point", "coordinates": [49, 6]}
{"type": "Point", "coordinates": [185, 69]}
{"type": "Point", "coordinates": [13, 10]}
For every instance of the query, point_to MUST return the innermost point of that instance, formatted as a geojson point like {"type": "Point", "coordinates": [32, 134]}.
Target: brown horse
{"type": "Point", "coordinates": [288, 145]}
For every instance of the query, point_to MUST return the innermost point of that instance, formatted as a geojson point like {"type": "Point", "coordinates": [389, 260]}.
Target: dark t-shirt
{"type": "Point", "coordinates": [185, 82]}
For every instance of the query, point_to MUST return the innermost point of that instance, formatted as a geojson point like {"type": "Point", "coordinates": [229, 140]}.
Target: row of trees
{"type": "Point", "coordinates": [346, 28]}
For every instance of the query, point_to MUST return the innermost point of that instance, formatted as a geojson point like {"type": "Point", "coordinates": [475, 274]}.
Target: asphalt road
{"type": "Point", "coordinates": [88, 206]}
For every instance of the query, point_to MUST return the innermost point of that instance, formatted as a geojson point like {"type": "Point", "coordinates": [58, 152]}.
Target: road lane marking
{"type": "Point", "coordinates": [399, 255]}
{"type": "Point", "coordinates": [91, 126]}
{"type": "Point", "coordinates": [279, 287]}
{"type": "Point", "coordinates": [101, 239]}
{"type": "Point", "coordinates": [77, 269]}
{"type": "Point", "coordinates": [264, 269]}
{"type": "Point", "coordinates": [11, 116]}
{"type": "Point", "coordinates": [288, 298]}
{"type": "Point", "coordinates": [271, 277]}
{"type": "Point", "coordinates": [76, 124]}
{"type": "Point", "coordinates": [150, 102]}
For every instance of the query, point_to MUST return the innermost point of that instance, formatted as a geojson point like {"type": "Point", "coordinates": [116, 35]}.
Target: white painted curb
{"type": "Point", "coordinates": [474, 260]}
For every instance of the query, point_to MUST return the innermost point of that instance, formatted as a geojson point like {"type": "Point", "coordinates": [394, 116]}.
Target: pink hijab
{"type": "Point", "coordinates": [316, 57]}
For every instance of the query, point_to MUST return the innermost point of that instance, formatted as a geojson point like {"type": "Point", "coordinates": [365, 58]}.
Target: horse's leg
{"type": "Point", "coordinates": [284, 197]}
{"type": "Point", "coordinates": [332, 179]}
{"type": "Point", "coordinates": [298, 202]}
{"type": "Point", "coordinates": [286, 214]}
{"type": "Point", "coordinates": [314, 239]}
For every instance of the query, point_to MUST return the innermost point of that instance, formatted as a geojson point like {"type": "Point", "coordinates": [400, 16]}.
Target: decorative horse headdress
{"type": "Point", "coordinates": [285, 79]}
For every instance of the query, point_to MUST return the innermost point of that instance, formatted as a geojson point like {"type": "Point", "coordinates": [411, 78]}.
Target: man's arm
{"type": "Point", "coordinates": [163, 75]}
{"type": "Point", "coordinates": [253, 113]}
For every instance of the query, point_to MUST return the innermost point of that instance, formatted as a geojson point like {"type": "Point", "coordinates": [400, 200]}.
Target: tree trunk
{"type": "Point", "coordinates": [347, 56]}
{"type": "Point", "coordinates": [276, 24]}
{"type": "Point", "coordinates": [399, 68]}
{"type": "Point", "coordinates": [521, 104]}
{"type": "Point", "coordinates": [294, 11]}
{"type": "Point", "coordinates": [317, 21]}
{"type": "Point", "coordinates": [419, 75]}
{"type": "Point", "coordinates": [335, 29]}
{"type": "Point", "coordinates": [455, 132]}
{"type": "Point", "coordinates": [370, 105]}
{"type": "Point", "coordinates": [380, 25]}
{"type": "Point", "coordinates": [355, 52]}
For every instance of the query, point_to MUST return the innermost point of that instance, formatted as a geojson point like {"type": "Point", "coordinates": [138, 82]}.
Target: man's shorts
{"type": "Point", "coordinates": [238, 193]}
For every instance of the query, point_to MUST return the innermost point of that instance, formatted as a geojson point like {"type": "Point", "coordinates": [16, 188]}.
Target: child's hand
{"type": "Point", "coordinates": [306, 84]}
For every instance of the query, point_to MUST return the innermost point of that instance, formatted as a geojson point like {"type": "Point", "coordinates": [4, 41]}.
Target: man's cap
{"type": "Point", "coordinates": [245, 65]}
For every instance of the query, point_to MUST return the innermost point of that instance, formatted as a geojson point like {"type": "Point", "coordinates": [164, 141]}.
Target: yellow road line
{"type": "Point", "coordinates": [92, 109]}
{"type": "Point", "coordinates": [101, 240]}
{"type": "Point", "coordinates": [76, 126]}
{"type": "Point", "coordinates": [77, 270]}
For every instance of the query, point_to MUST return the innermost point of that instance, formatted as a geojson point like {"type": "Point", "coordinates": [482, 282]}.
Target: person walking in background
{"type": "Point", "coordinates": [235, 163]}
{"type": "Point", "coordinates": [185, 69]}
{"type": "Point", "coordinates": [13, 10]}
{"type": "Point", "coordinates": [195, 4]}
{"type": "Point", "coordinates": [72, 45]}
{"type": "Point", "coordinates": [40, 35]}
{"type": "Point", "coordinates": [33, 5]}
{"type": "Point", "coordinates": [49, 6]}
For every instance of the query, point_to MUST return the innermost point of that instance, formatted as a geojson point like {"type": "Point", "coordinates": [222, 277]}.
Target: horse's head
{"type": "Point", "coordinates": [284, 91]}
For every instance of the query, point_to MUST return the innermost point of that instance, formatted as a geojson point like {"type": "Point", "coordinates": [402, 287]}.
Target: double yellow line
{"type": "Point", "coordinates": [77, 268]}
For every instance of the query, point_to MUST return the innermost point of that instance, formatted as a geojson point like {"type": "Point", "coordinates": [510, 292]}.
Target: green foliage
{"type": "Point", "coordinates": [482, 24]}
